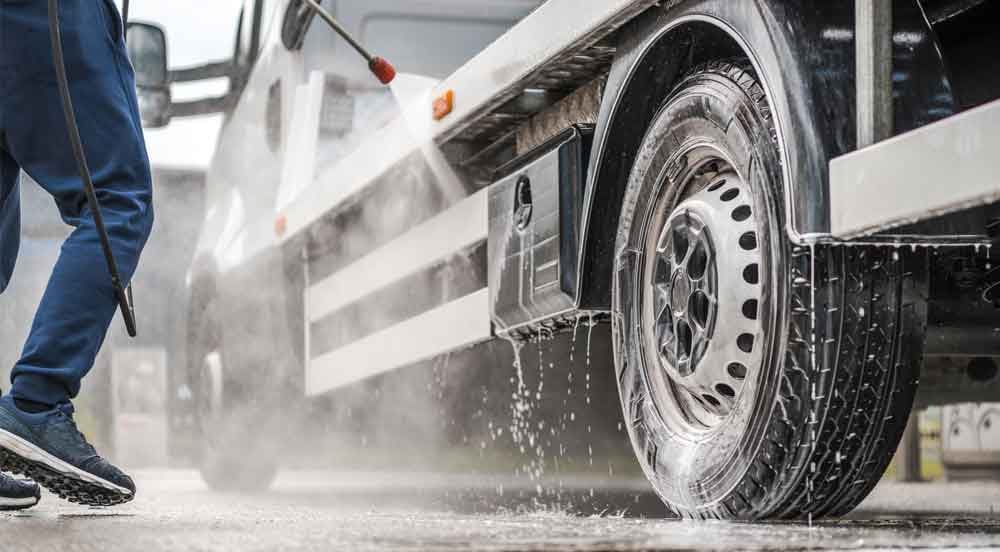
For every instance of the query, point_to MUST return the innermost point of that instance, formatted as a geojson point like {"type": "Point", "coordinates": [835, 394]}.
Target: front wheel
{"type": "Point", "coordinates": [760, 379]}
{"type": "Point", "coordinates": [237, 450]}
{"type": "Point", "coordinates": [237, 435]}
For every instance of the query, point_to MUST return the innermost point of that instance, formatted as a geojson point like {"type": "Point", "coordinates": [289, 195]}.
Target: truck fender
{"type": "Point", "coordinates": [803, 52]}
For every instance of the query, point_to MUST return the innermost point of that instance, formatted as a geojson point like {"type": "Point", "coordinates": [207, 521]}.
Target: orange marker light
{"type": "Point", "coordinates": [280, 225]}
{"type": "Point", "coordinates": [444, 104]}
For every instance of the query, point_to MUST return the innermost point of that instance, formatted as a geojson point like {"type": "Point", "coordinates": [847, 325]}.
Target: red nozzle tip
{"type": "Point", "coordinates": [382, 69]}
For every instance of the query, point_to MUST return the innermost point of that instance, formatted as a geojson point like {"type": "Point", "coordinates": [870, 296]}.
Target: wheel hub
{"type": "Point", "coordinates": [705, 296]}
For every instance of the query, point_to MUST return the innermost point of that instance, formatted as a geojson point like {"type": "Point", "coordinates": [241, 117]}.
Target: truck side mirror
{"type": "Point", "coordinates": [147, 50]}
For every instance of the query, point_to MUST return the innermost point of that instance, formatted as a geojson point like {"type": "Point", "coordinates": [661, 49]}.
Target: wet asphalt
{"type": "Point", "coordinates": [375, 511]}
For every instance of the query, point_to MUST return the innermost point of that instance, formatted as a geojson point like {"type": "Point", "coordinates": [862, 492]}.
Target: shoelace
{"type": "Point", "coordinates": [67, 410]}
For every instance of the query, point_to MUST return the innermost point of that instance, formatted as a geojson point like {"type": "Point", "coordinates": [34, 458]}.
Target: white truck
{"type": "Point", "coordinates": [781, 210]}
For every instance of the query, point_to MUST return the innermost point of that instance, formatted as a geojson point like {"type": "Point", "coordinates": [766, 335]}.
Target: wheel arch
{"type": "Point", "coordinates": [804, 56]}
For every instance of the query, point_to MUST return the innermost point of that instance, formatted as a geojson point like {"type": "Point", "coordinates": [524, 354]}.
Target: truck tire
{"type": "Point", "coordinates": [759, 379]}
{"type": "Point", "coordinates": [235, 453]}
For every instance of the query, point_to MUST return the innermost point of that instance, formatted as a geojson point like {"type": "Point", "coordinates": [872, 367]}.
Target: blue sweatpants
{"type": "Point", "coordinates": [79, 302]}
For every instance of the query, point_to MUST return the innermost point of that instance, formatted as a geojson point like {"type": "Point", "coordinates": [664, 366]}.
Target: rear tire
{"type": "Point", "coordinates": [760, 379]}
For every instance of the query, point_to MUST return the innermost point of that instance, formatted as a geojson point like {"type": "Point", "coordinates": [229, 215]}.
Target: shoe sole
{"type": "Point", "coordinates": [61, 478]}
{"type": "Point", "coordinates": [8, 504]}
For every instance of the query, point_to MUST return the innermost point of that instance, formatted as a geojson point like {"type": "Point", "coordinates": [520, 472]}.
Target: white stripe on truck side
{"type": "Point", "coordinates": [451, 326]}
{"type": "Point", "coordinates": [452, 231]}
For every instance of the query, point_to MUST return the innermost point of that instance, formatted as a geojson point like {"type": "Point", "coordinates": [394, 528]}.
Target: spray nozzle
{"type": "Point", "coordinates": [382, 69]}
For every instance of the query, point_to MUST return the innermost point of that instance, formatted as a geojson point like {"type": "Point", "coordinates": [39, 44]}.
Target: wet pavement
{"type": "Point", "coordinates": [355, 511]}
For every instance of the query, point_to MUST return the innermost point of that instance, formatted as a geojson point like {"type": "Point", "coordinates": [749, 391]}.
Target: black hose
{"type": "Point", "coordinates": [123, 295]}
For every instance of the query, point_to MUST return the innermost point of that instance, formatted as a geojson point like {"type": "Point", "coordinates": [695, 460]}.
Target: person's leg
{"type": "Point", "coordinates": [79, 302]}
{"type": "Point", "coordinates": [38, 436]}
{"type": "Point", "coordinates": [10, 212]}
{"type": "Point", "coordinates": [10, 172]}
{"type": "Point", "coordinates": [14, 494]}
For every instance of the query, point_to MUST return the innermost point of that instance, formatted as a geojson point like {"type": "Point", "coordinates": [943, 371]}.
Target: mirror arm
{"type": "Point", "coordinates": [214, 70]}
{"type": "Point", "coordinates": [206, 106]}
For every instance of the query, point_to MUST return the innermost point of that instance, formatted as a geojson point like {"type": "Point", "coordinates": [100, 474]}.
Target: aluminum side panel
{"type": "Point", "coordinates": [938, 169]}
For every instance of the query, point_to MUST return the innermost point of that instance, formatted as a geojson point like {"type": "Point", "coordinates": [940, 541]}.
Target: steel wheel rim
{"type": "Point", "coordinates": [703, 297]}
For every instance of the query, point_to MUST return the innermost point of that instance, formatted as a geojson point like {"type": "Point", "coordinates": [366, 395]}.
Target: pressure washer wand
{"type": "Point", "coordinates": [122, 293]}
{"type": "Point", "coordinates": [382, 69]}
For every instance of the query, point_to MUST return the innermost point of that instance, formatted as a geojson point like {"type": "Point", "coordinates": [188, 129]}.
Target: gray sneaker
{"type": "Point", "coordinates": [48, 448]}
{"type": "Point", "coordinates": [18, 494]}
